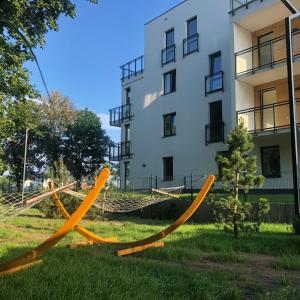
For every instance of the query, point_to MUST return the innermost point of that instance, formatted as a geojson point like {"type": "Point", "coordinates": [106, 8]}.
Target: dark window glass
{"type": "Point", "coordinates": [168, 168]}
{"type": "Point", "coordinates": [270, 161]}
{"type": "Point", "coordinates": [215, 69]}
{"type": "Point", "coordinates": [127, 133]}
{"type": "Point", "coordinates": [170, 82]}
{"type": "Point", "coordinates": [170, 38]}
{"type": "Point", "coordinates": [128, 95]}
{"type": "Point", "coordinates": [126, 173]}
{"type": "Point", "coordinates": [265, 49]}
{"type": "Point", "coordinates": [216, 122]}
{"type": "Point", "coordinates": [170, 125]}
{"type": "Point", "coordinates": [192, 27]}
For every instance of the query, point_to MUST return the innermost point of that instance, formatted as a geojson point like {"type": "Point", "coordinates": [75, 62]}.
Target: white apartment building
{"type": "Point", "coordinates": [206, 65]}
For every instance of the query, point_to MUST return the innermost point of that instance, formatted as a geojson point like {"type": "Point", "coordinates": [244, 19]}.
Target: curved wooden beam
{"type": "Point", "coordinates": [33, 255]}
{"type": "Point", "coordinates": [92, 237]}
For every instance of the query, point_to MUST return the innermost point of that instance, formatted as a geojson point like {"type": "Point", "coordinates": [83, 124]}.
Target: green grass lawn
{"type": "Point", "coordinates": [197, 262]}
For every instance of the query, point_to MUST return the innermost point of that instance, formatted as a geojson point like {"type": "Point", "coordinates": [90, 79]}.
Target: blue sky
{"type": "Point", "coordinates": [82, 59]}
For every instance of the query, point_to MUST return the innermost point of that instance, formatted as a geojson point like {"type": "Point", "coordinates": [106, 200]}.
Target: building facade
{"type": "Point", "coordinates": [207, 65]}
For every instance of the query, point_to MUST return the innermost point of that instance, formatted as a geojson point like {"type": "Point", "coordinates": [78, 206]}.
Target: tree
{"type": "Point", "coordinates": [57, 114]}
{"type": "Point", "coordinates": [23, 115]}
{"type": "Point", "coordinates": [23, 25]}
{"type": "Point", "coordinates": [238, 172]}
{"type": "Point", "coordinates": [86, 145]}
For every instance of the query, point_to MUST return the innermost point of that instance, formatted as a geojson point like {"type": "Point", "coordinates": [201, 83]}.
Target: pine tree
{"type": "Point", "coordinates": [238, 172]}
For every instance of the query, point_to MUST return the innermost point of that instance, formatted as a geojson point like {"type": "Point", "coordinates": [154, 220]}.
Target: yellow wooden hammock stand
{"type": "Point", "coordinates": [150, 242]}
{"type": "Point", "coordinates": [32, 257]}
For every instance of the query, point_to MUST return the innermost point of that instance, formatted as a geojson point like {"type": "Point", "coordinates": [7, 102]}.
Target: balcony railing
{"type": "Point", "coordinates": [120, 114]}
{"type": "Point", "coordinates": [214, 83]}
{"type": "Point", "coordinates": [265, 55]}
{"type": "Point", "coordinates": [215, 133]}
{"type": "Point", "coordinates": [168, 55]}
{"type": "Point", "coordinates": [120, 151]}
{"type": "Point", "coordinates": [133, 68]}
{"type": "Point", "coordinates": [191, 44]}
{"type": "Point", "coordinates": [270, 117]}
{"type": "Point", "coordinates": [239, 4]}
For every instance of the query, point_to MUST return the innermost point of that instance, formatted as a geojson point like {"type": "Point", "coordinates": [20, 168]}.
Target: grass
{"type": "Point", "coordinates": [198, 262]}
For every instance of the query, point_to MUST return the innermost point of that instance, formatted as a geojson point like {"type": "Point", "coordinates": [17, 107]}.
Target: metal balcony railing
{"type": "Point", "coordinates": [120, 114]}
{"type": "Point", "coordinates": [120, 151]}
{"type": "Point", "coordinates": [271, 117]}
{"type": "Point", "coordinates": [191, 44]}
{"type": "Point", "coordinates": [215, 133]}
{"type": "Point", "coordinates": [239, 4]}
{"type": "Point", "coordinates": [265, 55]}
{"type": "Point", "coordinates": [133, 68]}
{"type": "Point", "coordinates": [214, 83]}
{"type": "Point", "coordinates": [168, 55]}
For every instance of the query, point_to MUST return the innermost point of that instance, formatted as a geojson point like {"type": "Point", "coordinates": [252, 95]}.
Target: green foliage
{"type": "Point", "coordinates": [22, 115]}
{"type": "Point", "coordinates": [85, 144]}
{"type": "Point", "coordinates": [238, 172]}
{"type": "Point", "coordinates": [296, 225]}
{"type": "Point", "coordinates": [59, 174]}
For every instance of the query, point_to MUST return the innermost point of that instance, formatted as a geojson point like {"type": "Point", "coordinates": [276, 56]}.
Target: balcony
{"type": "Point", "coordinates": [215, 133]}
{"type": "Point", "coordinates": [132, 68]}
{"type": "Point", "coordinates": [191, 45]}
{"type": "Point", "coordinates": [214, 83]}
{"type": "Point", "coordinates": [119, 115]}
{"type": "Point", "coordinates": [240, 4]}
{"type": "Point", "coordinates": [168, 55]}
{"type": "Point", "coordinates": [120, 151]}
{"type": "Point", "coordinates": [268, 56]}
{"type": "Point", "coordinates": [268, 118]}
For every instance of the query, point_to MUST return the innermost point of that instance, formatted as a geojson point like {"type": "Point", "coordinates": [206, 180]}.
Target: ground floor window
{"type": "Point", "coordinates": [270, 161]}
{"type": "Point", "coordinates": [168, 168]}
{"type": "Point", "coordinates": [126, 173]}
{"type": "Point", "coordinates": [170, 125]}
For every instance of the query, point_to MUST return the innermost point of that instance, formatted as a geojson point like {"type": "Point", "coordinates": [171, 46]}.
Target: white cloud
{"type": "Point", "coordinates": [105, 122]}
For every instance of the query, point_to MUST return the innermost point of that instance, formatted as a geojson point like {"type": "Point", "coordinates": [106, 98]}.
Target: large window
{"type": "Point", "coordinates": [169, 52]}
{"type": "Point", "coordinates": [215, 71]}
{"type": "Point", "coordinates": [191, 43]}
{"type": "Point", "coordinates": [265, 49]}
{"type": "Point", "coordinates": [168, 168]}
{"type": "Point", "coordinates": [170, 82]}
{"type": "Point", "coordinates": [170, 125]}
{"type": "Point", "coordinates": [270, 161]}
{"type": "Point", "coordinates": [216, 122]}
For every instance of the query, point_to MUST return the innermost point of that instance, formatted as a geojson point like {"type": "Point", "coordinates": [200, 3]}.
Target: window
{"type": "Point", "coordinates": [265, 49]}
{"type": "Point", "coordinates": [169, 52]}
{"type": "Point", "coordinates": [126, 173]}
{"type": "Point", "coordinates": [216, 122]}
{"type": "Point", "coordinates": [127, 133]}
{"type": "Point", "coordinates": [170, 82]}
{"type": "Point", "coordinates": [215, 82]}
{"type": "Point", "coordinates": [170, 125]}
{"type": "Point", "coordinates": [192, 27]}
{"type": "Point", "coordinates": [168, 168]}
{"type": "Point", "coordinates": [267, 114]}
{"type": "Point", "coordinates": [270, 161]}
{"type": "Point", "coordinates": [128, 95]}
{"type": "Point", "coordinates": [190, 44]}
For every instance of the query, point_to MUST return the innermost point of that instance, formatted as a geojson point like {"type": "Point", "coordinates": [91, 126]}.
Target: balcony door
{"type": "Point", "coordinates": [268, 111]}
{"type": "Point", "coordinates": [216, 121]}
{"type": "Point", "coordinates": [215, 69]}
{"type": "Point", "coordinates": [170, 41]}
{"type": "Point", "coordinates": [265, 49]}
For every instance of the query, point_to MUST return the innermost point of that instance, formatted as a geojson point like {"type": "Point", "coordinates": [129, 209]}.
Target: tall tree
{"type": "Point", "coordinates": [58, 113]}
{"type": "Point", "coordinates": [23, 115]}
{"type": "Point", "coordinates": [86, 145]}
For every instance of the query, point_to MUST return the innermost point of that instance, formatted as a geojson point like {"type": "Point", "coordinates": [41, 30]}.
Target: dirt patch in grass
{"type": "Point", "coordinates": [257, 268]}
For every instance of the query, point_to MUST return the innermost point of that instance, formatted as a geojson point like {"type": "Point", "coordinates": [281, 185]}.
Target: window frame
{"type": "Point", "coordinates": [172, 131]}
{"type": "Point", "coordinates": [166, 178]}
{"type": "Point", "coordinates": [173, 77]}
{"type": "Point", "coordinates": [262, 162]}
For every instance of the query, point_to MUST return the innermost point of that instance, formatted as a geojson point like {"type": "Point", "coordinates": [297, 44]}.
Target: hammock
{"type": "Point", "coordinates": [14, 204]}
{"type": "Point", "coordinates": [116, 201]}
